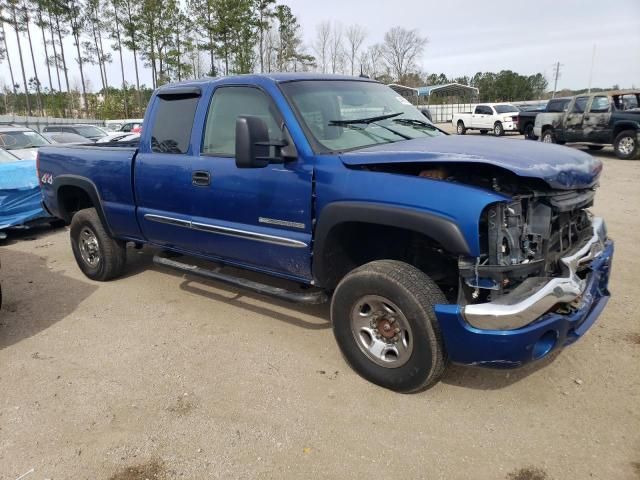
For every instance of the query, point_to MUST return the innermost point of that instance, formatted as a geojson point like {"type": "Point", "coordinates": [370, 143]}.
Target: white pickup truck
{"type": "Point", "coordinates": [497, 117]}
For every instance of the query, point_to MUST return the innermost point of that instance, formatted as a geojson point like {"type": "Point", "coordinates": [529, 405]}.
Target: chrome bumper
{"type": "Point", "coordinates": [536, 296]}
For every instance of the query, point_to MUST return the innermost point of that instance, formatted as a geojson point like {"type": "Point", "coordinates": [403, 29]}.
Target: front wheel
{"type": "Point", "coordinates": [498, 129]}
{"type": "Point", "coordinates": [548, 137]}
{"type": "Point", "coordinates": [626, 145]}
{"type": "Point", "coordinates": [461, 129]}
{"type": "Point", "coordinates": [99, 256]}
{"type": "Point", "coordinates": [384, 323]}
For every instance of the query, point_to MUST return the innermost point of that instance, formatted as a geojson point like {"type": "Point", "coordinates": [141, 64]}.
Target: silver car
{"type": "Point", "coordinates": [21, 141]}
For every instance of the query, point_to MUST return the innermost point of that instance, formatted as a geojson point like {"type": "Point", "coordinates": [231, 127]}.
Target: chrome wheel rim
{"type": "Point", "coordinates": [89, 247]}
{"type": "Point", "coordinates": [626, 145]}
{"type": "Point", "coordinates": [460, 128]}
{"type": "Point", "coordinates": [381, 331]}
{"type": "Point", "coordinates": [496, 130]}
{"type": "Point", "coordinates": [547, 138]}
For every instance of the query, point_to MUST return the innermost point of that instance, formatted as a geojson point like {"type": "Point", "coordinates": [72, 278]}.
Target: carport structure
{"type": "Point", "coordinates": [441, 100]}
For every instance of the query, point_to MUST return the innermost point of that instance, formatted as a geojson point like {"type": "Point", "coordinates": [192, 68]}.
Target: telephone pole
{"type": "Point", "coordinates": [556, 76]}
{"type": "Point", "coordinates": [593, 60]}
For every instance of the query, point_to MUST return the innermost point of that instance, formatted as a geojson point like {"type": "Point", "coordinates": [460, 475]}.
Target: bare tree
{"type": "Point", "coordinates": [372, 61]}
{"type": "Point", "coordinates": [355, 38]}
{"type": "Point", "coordinates": [400, 49]}
{"type": "Point", "coordinates": [336, 50]}
{"type": "Point", "coordinates": [321, 45]}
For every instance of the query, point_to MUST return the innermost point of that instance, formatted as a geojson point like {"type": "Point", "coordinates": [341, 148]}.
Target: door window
{"type": "Point", "coordinates": [579, 105]}
{"type": "Point", "coordinates": [227, 104]}
{"type": "Point", "coordinates": [173, 120]}
{"type": "Point", "coordinates": [599, 104]}
{"type": "Point", "coordinates": [479, 110]}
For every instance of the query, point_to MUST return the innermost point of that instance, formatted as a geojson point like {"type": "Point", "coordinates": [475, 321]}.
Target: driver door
{"type": "Point", "coordinates": [573, 126]}
{"type": "Point", "coordinates": [254, 217]}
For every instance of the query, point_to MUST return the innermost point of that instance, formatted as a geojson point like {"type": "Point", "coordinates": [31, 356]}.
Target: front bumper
{"type": "Point", "coordinates": [489, 346]}
{"type": "Point", "coordinates": [510, 126]}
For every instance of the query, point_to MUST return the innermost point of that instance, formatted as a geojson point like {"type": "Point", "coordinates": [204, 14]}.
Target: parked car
{"type": "Point", "coordinates": [496, 117]}
{"type": "Point", "coordinates": [6, 156]}
{"type": "Point", "coordinates": [131, 127]}
{"type": "Point", "coordinates": [432, 248]}
{"type": "Point", "coordinates": [532, 107]}
{"type": "Point", "coordinates": [598, 119]}
{"type": "Point", "coordinates": [527, 119]}
{"type": "Point", "coordinates": [87, 131]}
{"type": "Point", "coordinates": [21, 141]}
{"type": "Point", "coordinates": [65, 138]}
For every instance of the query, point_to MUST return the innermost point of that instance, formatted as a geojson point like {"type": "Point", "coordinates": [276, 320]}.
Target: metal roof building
{"type": "Point", "coordinates": [451, 98]}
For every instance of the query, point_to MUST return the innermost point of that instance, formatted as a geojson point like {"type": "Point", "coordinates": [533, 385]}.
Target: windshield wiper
{"type": "Point", "coordinates": [364, 120]}
{"type": "Point", "coordinates": [414, 122]}
{"type": "Point", "coordinates": [371, 121]}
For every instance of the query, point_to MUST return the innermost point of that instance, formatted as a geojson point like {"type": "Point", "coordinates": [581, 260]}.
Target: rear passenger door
{"type": "Point", "coordinates": [573, 125]}
{"type": "Point", "coordinates": [596, 125]}
{"type": "Point", "coordinates": [163, 169]}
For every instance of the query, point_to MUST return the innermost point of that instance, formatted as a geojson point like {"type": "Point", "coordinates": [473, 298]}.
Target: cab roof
{"type": "Point", "coordinates": [275, 77]}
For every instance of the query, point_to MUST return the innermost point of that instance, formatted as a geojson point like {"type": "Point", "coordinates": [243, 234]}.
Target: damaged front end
{"type": "Point", "coordinates": [536, 253]}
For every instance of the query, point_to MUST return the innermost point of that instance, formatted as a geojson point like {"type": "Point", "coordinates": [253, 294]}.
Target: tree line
{"type": "Point", "coordinates": [177, 40]}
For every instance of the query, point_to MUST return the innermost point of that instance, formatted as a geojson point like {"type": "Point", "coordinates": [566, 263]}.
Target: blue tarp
{"type": "Point", "coordinates": [19, 194]}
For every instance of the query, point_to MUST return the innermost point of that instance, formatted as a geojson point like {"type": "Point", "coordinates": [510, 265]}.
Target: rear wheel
{"type": "Point", "coordinates": [99, 256]}
{"type": "Point", "coordinates": [528, 132]}
{"type": "Point", "coordinates": [498, 129]}
{"type": "Point", "coordinates": [460, 128]}
{"type": "Point", "coordinates": [385, 325]}
{"type": "Point", "coordinates": [626, 145]}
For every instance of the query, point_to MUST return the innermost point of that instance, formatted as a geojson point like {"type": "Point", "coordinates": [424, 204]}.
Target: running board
{"type": "Point", "coordinates": [310, 297]}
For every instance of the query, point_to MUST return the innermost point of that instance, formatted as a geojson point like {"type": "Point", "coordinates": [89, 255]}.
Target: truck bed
{"type": "Point", "coordinates": [102, 163]}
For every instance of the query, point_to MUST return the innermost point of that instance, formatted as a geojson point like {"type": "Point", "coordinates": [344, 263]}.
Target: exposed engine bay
{"type": "Point", "coordinates": [521, 238]}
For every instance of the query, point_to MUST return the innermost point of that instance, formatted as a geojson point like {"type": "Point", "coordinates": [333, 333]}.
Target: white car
{"type": "Point", "coordinates": [495, 117]}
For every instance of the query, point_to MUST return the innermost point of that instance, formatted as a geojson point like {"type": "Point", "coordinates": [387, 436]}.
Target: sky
{"type": "Point", "coordinates": [464, 37]}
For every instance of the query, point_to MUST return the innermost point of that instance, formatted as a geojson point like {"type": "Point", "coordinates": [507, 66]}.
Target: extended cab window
{"type": "Point", "coordinates": [171, 130]}
{"type": "Point", "coordinates": [579, 105]}
{"type": "Point", "coordinates": [227, 104]}
{"type": "Point", "coordinates": [599, 104]}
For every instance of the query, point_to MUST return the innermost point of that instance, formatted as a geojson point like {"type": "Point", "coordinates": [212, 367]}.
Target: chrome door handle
{"type": "Point", "coordinates": [201, 178]}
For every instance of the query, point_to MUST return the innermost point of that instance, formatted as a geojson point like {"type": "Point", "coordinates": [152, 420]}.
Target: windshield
{"type": "Point", "coordinates": [506, 108]}
{"type": "Point", "coordinates": [21, 139]}
{"type": "Point", "coordinates": [90, 131]}
{"type": "Point", "coordinates": [345, 115]}
{"type": "Point", "coordinates": [6, 157]}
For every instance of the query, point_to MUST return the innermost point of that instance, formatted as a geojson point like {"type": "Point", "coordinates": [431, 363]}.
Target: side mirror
{"type": "Point", "coordinates": [253, 146]}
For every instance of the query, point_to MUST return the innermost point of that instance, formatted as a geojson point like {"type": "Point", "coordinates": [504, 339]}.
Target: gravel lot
{"type": "Point", "coordinates": [157, 375]}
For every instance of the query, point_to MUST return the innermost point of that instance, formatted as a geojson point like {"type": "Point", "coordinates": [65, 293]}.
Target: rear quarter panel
{"type": "Point", "coordinates": [108, 169]}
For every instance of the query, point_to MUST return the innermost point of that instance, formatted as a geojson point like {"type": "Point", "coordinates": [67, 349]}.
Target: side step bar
{"type": "Point", "coordinates": [309, 297]}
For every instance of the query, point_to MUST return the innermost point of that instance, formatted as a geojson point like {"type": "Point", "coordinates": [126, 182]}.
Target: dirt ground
{"type": "Point", "coordinates": [161, 376]}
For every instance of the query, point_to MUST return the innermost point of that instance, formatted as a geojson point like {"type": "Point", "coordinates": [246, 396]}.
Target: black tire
{"type": "Point", "coordinates": [460, 128]}
{"type": "Point", "coordinates": [548, 136]}
{"type": "Point", "coordinates": [595, 148]}
{"type": "Point", "coordinates": [528, 132]}
{"type": "Point", "coordinates": [111, 254]}
{"type": "Point", "coordinates": [626, 145]}
{"type": "Point", "coordinates": [415, 295]}
{"type": "Point", "coordinates": [483, 132]}
{"type": "Point", "coordinates": [498, 129]}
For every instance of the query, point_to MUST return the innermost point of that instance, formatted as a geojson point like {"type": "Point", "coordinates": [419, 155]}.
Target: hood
{"type": "Point", "coordinates": [560, 167]}
{"type": "Point", "coordinates": [25, 153]}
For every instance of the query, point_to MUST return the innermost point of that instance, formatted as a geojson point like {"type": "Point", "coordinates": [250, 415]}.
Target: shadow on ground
{"type": "Point", "coordinates": [35, 296]}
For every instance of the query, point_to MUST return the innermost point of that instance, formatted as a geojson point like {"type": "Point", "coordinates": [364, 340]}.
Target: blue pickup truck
{"type": "Point", "coordinates": [431, 248]}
